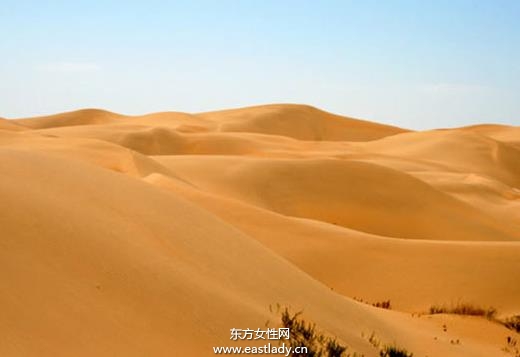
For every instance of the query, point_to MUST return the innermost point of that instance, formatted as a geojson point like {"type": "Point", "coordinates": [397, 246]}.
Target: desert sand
{"type": "Point", "coordinates": [154, 235]}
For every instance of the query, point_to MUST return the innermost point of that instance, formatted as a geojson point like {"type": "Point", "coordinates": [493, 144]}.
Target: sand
{"type": "Point", "coordinates": [154, 235]}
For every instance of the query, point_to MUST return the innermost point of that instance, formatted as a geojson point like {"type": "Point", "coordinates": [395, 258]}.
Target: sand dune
{"type": "Point", "coordinates": [299, 122]}
{"type": "Point", "coordinates": [347, 193]}
{"type": "Point", "coordinates": [459, 150]}
{"type": "Point", "coordinates": [10, 125]}
{"type": "Point", "coordinates": [331, 253]}
{"type": "Point", "coordinates": [79, 117]}
{"type": "Point", "coordinates": [154, 235]}
{"type": "Point", "coordinates": [503, 133]}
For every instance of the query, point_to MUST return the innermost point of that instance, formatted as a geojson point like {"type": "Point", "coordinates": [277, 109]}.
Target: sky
{"type": "Point", "coordinates": [415, 64]}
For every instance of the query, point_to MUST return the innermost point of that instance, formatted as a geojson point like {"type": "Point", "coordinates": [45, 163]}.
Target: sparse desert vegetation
{"type": "Point", "coordinates": [512, 347]}
{"type": "Point", "coordinates": [513, 323]}
{"type": "Point", "coordinates": [490, 313]}
{"type": "Point", "coordinates": [383, 304]}
{"type": "Point", "coordinates": [386, 350]}
{"type": "Point", "coordinates": [305, 334]}
{"type": "Point", "coordinates": [394, 351]}
{"type": "Point", "coordinates": [319, 344]}
{"type": "Point", "coordinates": [462, 308]}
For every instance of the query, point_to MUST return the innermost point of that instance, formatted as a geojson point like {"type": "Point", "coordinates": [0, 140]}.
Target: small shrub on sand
{"type": "Point", "coordinates": [512, 347]}
{"type": "Point", "coordinates": [513, 323]}
{"type": "Point", "coordinates": [383, 304]}
{"type": "Point", "coordinates": [394, 351]}
{"type": "Point", "coordinates": [387, 350]}
{"type": "Point", "coordinates": [464, 309]}
{"type": "Point", "coordinates": [305, 334]}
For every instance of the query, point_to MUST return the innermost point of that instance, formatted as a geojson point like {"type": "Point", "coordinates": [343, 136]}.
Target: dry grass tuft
{"type": "Point", "coordinates": [464, 309]}
{"type": "Point", "coordinates": [513, 323]}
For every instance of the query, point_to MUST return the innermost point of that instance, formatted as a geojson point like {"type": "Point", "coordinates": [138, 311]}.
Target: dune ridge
{"type": "Point", "coordinates": [155, 234]}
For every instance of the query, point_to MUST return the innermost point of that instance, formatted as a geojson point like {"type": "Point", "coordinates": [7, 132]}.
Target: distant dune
{"type": "Point", "coordinates": [10, 125]}
{"type": "Point", "coordinates": [154, 235]}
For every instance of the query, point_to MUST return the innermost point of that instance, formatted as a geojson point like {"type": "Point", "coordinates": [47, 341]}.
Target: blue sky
{"type": "Point", "coordinates": [417, 64]}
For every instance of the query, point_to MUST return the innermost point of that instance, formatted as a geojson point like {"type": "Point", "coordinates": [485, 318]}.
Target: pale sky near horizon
{"type": "Point", "coordinates": [415, 64]}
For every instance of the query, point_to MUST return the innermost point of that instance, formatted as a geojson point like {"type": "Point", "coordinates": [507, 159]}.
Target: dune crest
{"type": "Point", "coordinates": [301, 122]}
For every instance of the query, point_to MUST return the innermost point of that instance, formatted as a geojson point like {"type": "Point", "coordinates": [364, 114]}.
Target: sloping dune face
{"type": "Point", "coordinates": [155, 235]}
